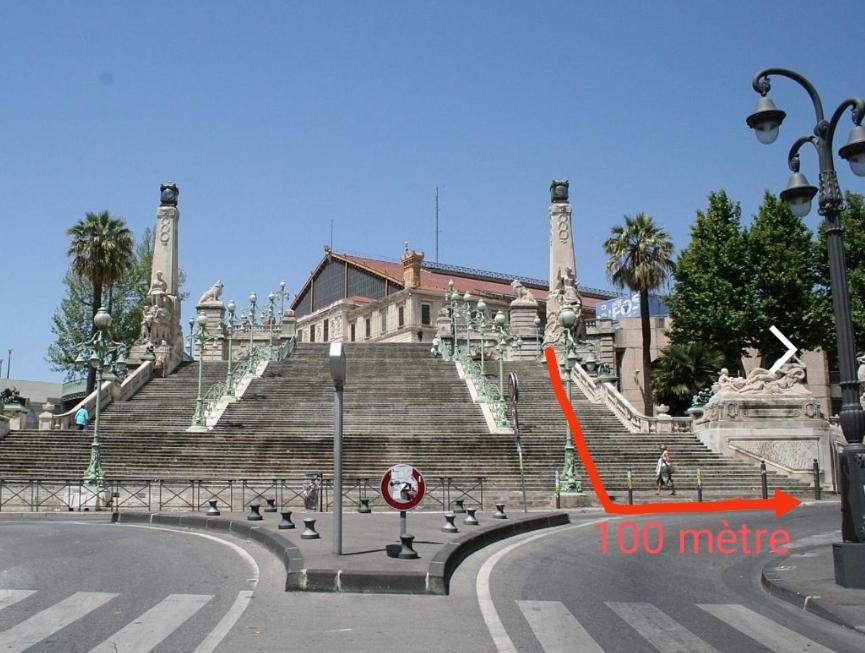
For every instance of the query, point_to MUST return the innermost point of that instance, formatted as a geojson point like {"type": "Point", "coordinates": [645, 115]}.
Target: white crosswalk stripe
{"type": "Point", "coordinates": [148, 630]}
{"type": "Point", "coordinates": [50, 620]}
{"type": "Point", "coordinates": [772, 635]}
{"type": "Point", "coordinates": [556, 628]}
{"type": "Point", "coordinates": [664, 633]}
{"type": "Point", "coordinates": [10, 597]}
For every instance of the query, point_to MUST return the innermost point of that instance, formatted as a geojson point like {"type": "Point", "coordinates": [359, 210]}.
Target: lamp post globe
{"type": "Point", "coordinates": [854, 151]}
{"type": "Point", "coordinates": [102, 320]}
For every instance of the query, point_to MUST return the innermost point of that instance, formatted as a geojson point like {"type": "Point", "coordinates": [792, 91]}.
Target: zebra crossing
{"type": "Point", "coordinates": [142, 634]}
{"type": "Point", "coordinates": [558, 630]}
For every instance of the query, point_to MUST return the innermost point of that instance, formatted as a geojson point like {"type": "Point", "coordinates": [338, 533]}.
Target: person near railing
{"type": "Point", "coordinates": [664, 471]}
{"type": "Point", "coordinates": [82, 418]}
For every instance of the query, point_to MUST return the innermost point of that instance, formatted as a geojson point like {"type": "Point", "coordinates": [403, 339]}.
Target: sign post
{"type": "Point", "coordinates": [402, 488]}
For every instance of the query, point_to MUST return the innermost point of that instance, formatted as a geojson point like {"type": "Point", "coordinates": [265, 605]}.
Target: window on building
{"type": "Point", "coordinates": [353, 325]}
{"type": "Point", "coordinates": [384, 321]}
{"type": "Point", "coordinates": [329, 285]}
{"type": "Point", "coordinates": [326, 333]}
{"type": "Point", "coordinates": [368, 328]}
{"type": "Point", "coordinates": [425, 311]}
{"type": "Point", "coordinates": [400, 316]}
{"type": "Point", "coordinates": [312, 333]}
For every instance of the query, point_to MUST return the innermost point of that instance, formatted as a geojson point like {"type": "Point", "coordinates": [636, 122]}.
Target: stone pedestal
{"type": "Point", "coordinates": [289, 325]}
{"type": "Point", "coordinates": [17, 415]}
{"type": "Point", "coordinates": [522, 321]}
{"type": "Point", "coordinates": [216, 349]}
{"type": "Point", "coordinates": [46, 416]}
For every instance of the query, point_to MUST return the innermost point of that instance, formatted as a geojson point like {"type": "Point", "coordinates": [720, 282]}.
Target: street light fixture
{"type": "Point", "coordinates": [229, 324]}
{"type": "Point", "coordinates": [100, 352]}
{"type": "Point", "coordinates": [202, 337]}
{"type": "Point", "coordinates": [851, 554]}
{"type": "Point", "coordinates": [505, 338]}
{"type": "Point", "coordinates": [336, 356]}
{"type": "Point", "coordinates": [253, 299]}
{"type": "Point", "coordinates": [190, 338]}
{"type": "Point", "coordinates": [537, 323]}
{"type": "Point", "coordinates": [569, 482]}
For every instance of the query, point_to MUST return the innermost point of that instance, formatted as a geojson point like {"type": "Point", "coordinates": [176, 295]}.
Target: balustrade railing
{"type": "Point", "coordinates": [489, 392]}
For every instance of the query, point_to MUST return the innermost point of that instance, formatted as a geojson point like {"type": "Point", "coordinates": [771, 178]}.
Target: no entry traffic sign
{"type": "Point", "coordinates": [402, 487]}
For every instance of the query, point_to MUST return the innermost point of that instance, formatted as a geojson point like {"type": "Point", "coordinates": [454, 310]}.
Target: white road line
{"type": "Point", "coordinates": [664, 633]}
{"type": "Point", "coordinates": [556, 628]}
{"type": "Point", "coordinates": [145, 633]}
{"type": "Point", "coordinates": [494, 623]}
{"type": "Point", "coordinates": [226, 623]}
{"type": "Point", "coordinates": [772, 635]}
{"type": "Point", "coordinates": [50, 620]}
{"type": "Point", "coordinates": [11, 597]}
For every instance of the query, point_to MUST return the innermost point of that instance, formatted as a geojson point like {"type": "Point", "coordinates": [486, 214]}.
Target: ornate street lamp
{"type": "Point", "coordinates": [202, 337]}
{"type": "Point", "coordinates": [271, 298]}
{"type": "Point", "coordinates": [282, 293]}
{"type": "Point", "coordinates": [479, 322]}
{"type": "Point", "coordinates": [467, 313]}
{"type": "Point", "coordinates": [504, 339]}
{"type": "Point", "coordinates": [229, 324]}
{"type": "Point", "coordinates": [190, 337]}
{"type": "Point", "coordinates": [537, 323]}
{"type": "Point", "coordinates": [569, 480]}
{"type": "Point", "coordinates": [101, 353]}
{"type": "Point", "coordinates": [798, 194]}
{"type": "Point", "coordinates": [253, 298]}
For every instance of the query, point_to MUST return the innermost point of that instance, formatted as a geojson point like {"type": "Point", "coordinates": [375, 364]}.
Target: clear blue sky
{"type": "Point", "coordinates": [275, 118]}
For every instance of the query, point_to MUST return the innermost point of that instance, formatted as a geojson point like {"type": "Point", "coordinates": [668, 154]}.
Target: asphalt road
{"type": "Point", "coordinates": [560, 592]}
{"type": "Point", "coordinates": [67, 586]}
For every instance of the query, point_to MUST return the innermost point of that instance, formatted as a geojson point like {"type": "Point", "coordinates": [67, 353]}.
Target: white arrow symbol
{"type": "Point", "coordinates": [791, 349]}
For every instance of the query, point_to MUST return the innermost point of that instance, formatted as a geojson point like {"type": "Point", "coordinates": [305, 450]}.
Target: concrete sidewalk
{"type": "Point", "coordinates": [806, 578]}
{"type": "Point", "coordinates": [369, 542]}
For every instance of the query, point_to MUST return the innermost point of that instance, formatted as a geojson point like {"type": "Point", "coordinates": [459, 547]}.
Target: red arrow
{"type": "Point", "coordinates": [781, 503]}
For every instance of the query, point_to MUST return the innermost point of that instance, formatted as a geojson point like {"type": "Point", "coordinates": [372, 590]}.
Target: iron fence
{"type": "Point", "coordinates": [442, 492]}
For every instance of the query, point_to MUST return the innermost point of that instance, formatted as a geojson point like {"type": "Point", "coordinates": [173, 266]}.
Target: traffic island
{"type": "Point", "coordinates": [365, 565]}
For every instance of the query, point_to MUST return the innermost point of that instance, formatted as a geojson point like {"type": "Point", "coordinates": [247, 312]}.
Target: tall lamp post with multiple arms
{"type": "Point", "coordinates": [569, 482]}
{"type": "Point", "coordinates": [191, 337]}
{"type": "Point", "coordinates": [504, 339]}
{"type": "Point", "coordinates": [253, 299]}
{"type": "Point", "coordinates": [101, 353]}
{"type": "Point", "coordinates": [202, 337]}
{"type": "Point", "coordinates": [229, 324]}
{"type": "Point", "coordinates": [766, 119]}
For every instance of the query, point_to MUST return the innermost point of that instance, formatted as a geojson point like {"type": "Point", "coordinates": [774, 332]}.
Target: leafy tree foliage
{"type": "Point", "coordinates": [681, 371]}
{"type": "Point", "coordinates": [782, 278]}
{"type": "Point", "coordinates": [710, 299]}
{"type": "Point", "coordinates": [853, 225]}
{"type": "Point", "coordinates": [640, 258]}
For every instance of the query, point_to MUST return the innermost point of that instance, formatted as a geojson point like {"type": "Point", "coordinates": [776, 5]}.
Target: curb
{"type": "Point", "coordinates": [814, 604]}
{"type": "Point", "coordinates": [298, 578]}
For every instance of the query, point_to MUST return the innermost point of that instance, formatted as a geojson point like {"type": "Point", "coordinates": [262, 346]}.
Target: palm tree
{"type": "Point", "coordinates": [641, 259]}
{"type": "Point", "coordinates": [681, 371]}
{"type": "Point", "coordinates": [101, 251]}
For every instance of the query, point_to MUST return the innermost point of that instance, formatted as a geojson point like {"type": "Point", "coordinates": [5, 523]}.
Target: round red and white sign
{"type": "Point", "coordinates": [402, 487]}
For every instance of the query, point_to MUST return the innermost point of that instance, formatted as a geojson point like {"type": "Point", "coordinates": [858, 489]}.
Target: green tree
{"type": "Point", "coordinates": [640, 258]}
{"type": "Point", "coordinates": [853, 225]}
{"type": "Point", "coordinates": [681, 371]}
{"type": "Point", "coordinates": [782, 280]}
{"type": "Point", "coordinates": [710, 299]}
{"type": "Point", "coordinates": [101, 251]}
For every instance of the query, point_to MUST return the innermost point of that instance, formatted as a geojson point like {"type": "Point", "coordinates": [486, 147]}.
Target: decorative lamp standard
{"type": "Point", "coordinates": [500, 322]}
{"type": "Point", "coordinates": [201, 338]}
{"type": "Point", "coordinates": [100, 352]}
{"type": "Point", "coordinates": [569, 481]}
{"type": "Point", "coordinates": [271, 298]}
{"type": "Point", "coordinates": [190, 338]}
{"type": "Point", "coordinates": [537, 323]}
{"type": "Point", "coordinates": [253, 298]}
{"type": "Point", "coordinates": [229, 324]}
{"type": "Point", "coordinates": [480, 323]}
{"type": "Point", "coordinates": [282, 293]}
{"type": "Point", "coordinates": [467, 311]}
{"type": "Point", "coordinates": [766, 120]}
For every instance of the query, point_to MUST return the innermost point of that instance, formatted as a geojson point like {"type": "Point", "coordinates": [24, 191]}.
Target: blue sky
{"type": "Point", "coordinates": [275, 118]}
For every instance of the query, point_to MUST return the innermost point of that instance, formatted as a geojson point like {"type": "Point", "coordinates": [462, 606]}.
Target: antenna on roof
{"type": "Point", "coordinates": [331, 233]}
{"type": "Point", "coordinates": [437, 223]}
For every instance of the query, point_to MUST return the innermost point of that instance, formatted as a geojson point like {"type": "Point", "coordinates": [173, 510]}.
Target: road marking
{"type": "Point", "coordinates": [664, 633]}
{"type": "Point", "coordinates": [556, 628]}
{"type": "Point", "coordinates": [772, 635]}
{"type": "Point", "coordinates": [226, 623]}
{"type": "Point", "coordinates": [50, 620]}
{"type": "Point", "coordinates": [145, 632]}
{"type": "Point", "coordinates": [11, 597]}
{"type": "Point", "coordinates": [500, 636]}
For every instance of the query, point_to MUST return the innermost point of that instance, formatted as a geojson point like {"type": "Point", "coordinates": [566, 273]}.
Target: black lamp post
{"type": "Point", "coordinates": [850, 556]}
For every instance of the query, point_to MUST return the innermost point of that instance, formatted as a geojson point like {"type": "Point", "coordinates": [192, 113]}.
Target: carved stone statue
{"type": "Point", "coordinates": [212, 294]}
{"type": "Point", "coordinates": [788, 380]}
{"type": "Point", "coordinates": [861, 375]}
{"type": "Point", "coordinates": [522, 294]}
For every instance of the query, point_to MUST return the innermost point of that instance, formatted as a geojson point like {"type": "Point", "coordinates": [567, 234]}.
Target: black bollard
{"type": "Point", "coordinates": [254, 515]}
{"type": "Point", "coordinates": [286, 521]}
{"type": "Point", "coordinates": [699, 486]}
{"type": "Point", "coordinates": [764, 481]}
{"type": "Point", "coordinates": [630, 488]}
{"type": "Point", "coordinates": [271, 505]}
{"type": "Point", "coordinates": [309, 532]}
{"type": "Point", "coordinates": [818, 491]}
{"type": "Point", "coordinates": [500, 512]}
{"type": "Point", "coordinates": [471, 520]}
{"type": "Point", "coordinates": [449, 526]}
{"type": "Point", "coordinates": [364, 508]}
{"type": "Point", "coordinates": [213, 511]}
{"type": "Point", "coordinates": [460, 507]}
{"type": "Point", "coordinates": [406, 551]}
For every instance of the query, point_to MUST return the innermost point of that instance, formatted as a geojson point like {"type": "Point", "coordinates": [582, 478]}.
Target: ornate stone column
{"type": "Point", "coordinates": [563, 281]}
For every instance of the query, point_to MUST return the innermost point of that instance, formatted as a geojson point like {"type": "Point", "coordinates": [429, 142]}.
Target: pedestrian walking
{"type": "Point", "coordinates": [436, 343]}
{"type": "Point", "coordinates": [664, 471]}
{"type": "Point", "coordinates": [82, 418]}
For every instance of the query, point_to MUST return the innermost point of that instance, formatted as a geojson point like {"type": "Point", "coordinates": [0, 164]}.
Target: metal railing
{"type": "Point", "coordinates": [488, 392]}
{"type": "Point", "coordinates": [442, 492]}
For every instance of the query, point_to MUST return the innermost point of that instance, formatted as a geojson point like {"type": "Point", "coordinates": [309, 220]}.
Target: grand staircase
{"type": "Point", "coordinates": [400, 406]}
